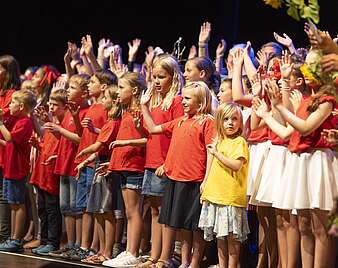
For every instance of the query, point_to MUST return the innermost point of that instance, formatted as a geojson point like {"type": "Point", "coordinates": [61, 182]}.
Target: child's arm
{"type": "Point", "coordinates": [95, 147]}
{"type": "Point", "coordinates": [234, 164]}
{"type": "Point", "coordinates": [286, 41]}
{"type": "Point", "coordinates": [67, 59]}
{"type": "Point", "coordinates": [4, 131]}
{"type": "Point", "coordinates": [207, 170]}
{"type": "Point", "coordinates": [121, 143]}
{"type": "Point", "coordinates": [203, 40]}
{"type": "Point", "coordinates": [151, 126]}
{"type": "Point", "coordinates": [219, 55]}
{"type": "Point", "coordinates": [74, 110]}
{"type": "Point", "coordinates": [2, 143]}
{"type": "Point", "coordinates": [250, 68]}
{"type": "Point", "coordinates": [133, 48]}
{"type": "Point", "coordinates": [58, 130]}
{"type": "Point", "coordinates": [83, 164]}
{"type": "Point", "coordinates": [88, 49]}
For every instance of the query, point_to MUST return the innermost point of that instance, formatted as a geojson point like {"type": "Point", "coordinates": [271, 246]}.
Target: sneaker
{"type": "Point", "coordinates": [59, 252]}
{"type": "Point", "coordinates": [46, 249]}
{"type": "Point", "coordinates": [128, 260]}
{"type": "Point", "coordinates": [12, 245]}
{"type": "Point", "coordinates": [117, 249]}
{"type": "Point", "coordinates": [35, 249]}
{"type": "Point", "coordinates": [80, 254]}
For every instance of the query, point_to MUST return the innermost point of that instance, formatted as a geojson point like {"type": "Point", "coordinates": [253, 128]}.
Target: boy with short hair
{"type": "Point", "coordinates": [16, 164]}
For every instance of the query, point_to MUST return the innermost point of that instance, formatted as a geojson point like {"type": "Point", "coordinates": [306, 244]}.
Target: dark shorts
{"type": "Point", "coordinates": [14, 191]}
{"type": "Point", "coordinates": [130, 179]}
{"type": "Point", "coordinates": [181, 207]}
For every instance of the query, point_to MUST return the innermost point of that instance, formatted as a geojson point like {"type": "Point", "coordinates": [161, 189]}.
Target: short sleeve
{"type": "Point", "coordinates": [239, 149]}
{"type": "Point", "coordinates": [168, 127]}
{"type": "Point", "coordinates": [22, 131]}
{"type": "Point", "coordinates": [209, 131]}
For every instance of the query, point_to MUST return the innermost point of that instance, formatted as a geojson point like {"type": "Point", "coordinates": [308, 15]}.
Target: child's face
{"type": "Point", "coordinates": [232, 124]}
{"type": "Point", "coordinates": [191, 73]}
{"type": "Point", "coordinates": [107, 101]}
{"type": "Point", "coordinates": [125, 92]}
{"type": "Point", "coordinates": [36, 79]}
{"type": "Point", "coordinates": [56, 108]}
{"type": "Point", "coordinates": [94, 87]}
{"type": "Point", "coordinates": [225, 95]}
{"type": "Point", "coordinates": [162, 80]}
{"type": "Point", "coordinates": [190, 102]}
{"type": "Point", "coordinates": [15, 107]}
{"type": "Point", "coordinates": [75, 93]}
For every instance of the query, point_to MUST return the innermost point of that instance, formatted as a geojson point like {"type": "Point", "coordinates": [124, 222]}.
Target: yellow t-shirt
{"type": "Point", "coordinates": [224, 186]}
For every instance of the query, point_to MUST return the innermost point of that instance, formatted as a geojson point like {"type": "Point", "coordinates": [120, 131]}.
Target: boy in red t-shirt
{"type": "Point", "coordinates": [16, 164]}
{"type": "Point", "coordinates": [46, 181]}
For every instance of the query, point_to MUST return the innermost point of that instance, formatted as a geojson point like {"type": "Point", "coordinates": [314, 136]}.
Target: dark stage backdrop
{"type": "Point", "coordinates": [36, 32]}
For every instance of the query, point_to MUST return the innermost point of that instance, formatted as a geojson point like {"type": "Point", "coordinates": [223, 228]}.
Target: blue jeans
{"type": "Point", "coordinates": [83, 187]}
{"type": "Point", "coordinates": [68, 188]}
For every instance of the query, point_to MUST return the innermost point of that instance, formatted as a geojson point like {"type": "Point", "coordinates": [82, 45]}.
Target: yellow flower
{"type": "Point", "coordinates": [308, 74]}
{"type": "Point", "coordinates": [274, 3]}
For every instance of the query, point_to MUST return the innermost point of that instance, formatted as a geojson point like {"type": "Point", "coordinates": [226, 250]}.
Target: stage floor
{"type": "Point", "coordinates": [28, 260]}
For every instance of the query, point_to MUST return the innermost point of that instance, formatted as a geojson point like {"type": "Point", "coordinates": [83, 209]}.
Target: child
{"type": "Point", "coordinates": [9, 82]}
{"type": "Point", "coordinates": [105, 192]}
{"type": "Point", "coordinates": [96, 117]}
{"type": "Point", "coordinates": [185, 166]}
{"type": "Point", "coordinates": [46, 182]}
{"type": "Point", "coordinates": [70, 130]}
{"type": "Point", "coordinates": [16, 164]}
{"type": "Point", "coordinates": [225, 92]}
{"type": "Point", "coordinates": [224, 190]}
{"type": "Point", "coordinates": [165, 105]}
{"type": "Point", "coordinates": [127, 165]}
{"type": "Point", "coordinates": [202, 69]}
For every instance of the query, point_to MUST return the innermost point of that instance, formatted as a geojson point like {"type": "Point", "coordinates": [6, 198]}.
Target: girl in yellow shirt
{"type": "Point", "coordinates": [224, 190]}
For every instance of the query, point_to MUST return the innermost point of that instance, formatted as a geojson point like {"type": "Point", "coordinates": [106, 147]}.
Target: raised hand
{"type": "Point", "coordinates": [260, 107]}
{"type": "Point", "coordinates": [286, 40]}
{"type": "Point", "coordinates": [192, 52]}
{"type": "Point", "coordinates": [41, 113]}
{"type": "Point", "coordinates": [329, 63]}
{"type": "Point", "coordinates": [256, 85]}
{"type": "Point", "coordinates": [296, 99]}
{"type": "Point", "coordinates": [221, 49]}
{"type": "Point", "coordinates": [133, 48]}
{"type": "Point", "coordinates": [87, 44]}
{"type": "Point", "coordinates": [74, 51]}
{"type": "Point", "coordinates": [145, 97]}
{"type": "Point", "coordinates": [262, 58]}
{"type": "Point", "coordinates": [73, 108]}
{"type": "Point", "coordinates": [59, 84]}
{"type": "Point", "coordinates": [274, 92]}
{"type": "Point", "coordinates": [286, 65]}
{"type": "Point", "coordinates": [150, 54]}
{"type": "Point", "coordinates": [205, 31]}
{"type": "Point", "coordinates": [238, 57]}
{"type": "Point", "coordinates": [330, 136]}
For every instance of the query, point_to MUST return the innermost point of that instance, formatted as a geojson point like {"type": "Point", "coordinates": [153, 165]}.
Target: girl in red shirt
{"type": "Point", "coordinates": [127, 164]}
{"type": "Point", "coordinates": [186, 167]}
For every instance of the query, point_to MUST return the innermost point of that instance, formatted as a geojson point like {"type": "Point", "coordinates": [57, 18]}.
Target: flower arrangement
{"type": "Point", "coordinates": [298, 8]}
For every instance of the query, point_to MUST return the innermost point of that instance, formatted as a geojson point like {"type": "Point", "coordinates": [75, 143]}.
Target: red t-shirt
{"type": "Point", "coordinates": [5, 100]}
{"type": "Point", "coordinates": [16, 162]}
{"type": "Point", "coordinates": [187, 156]}
{"type": "Point", "coordinates": [158, 145]}
{"type": "Point", "coordinates": [43, 176]}
{"type": "Point", "coordinates": [299, 143]}
{"type": "Point", "coordinates": [259, 135]}
{"type": "Point", "coordinates": [98, 115]}
{"type": "Point", "coordinates": [65, 163]}
{"type": "Point", "coordinates": [108, 134]}
{"type": "Point", "coordinates": [128, 158]}
{"type": "Point", "coordinates": [275, 139]}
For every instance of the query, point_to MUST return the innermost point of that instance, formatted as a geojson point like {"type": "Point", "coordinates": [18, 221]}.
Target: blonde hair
{"type": "Point", "coordinates": [59, 95]}
{"type": "Point", "coordinates": [82, 80]}
{"type": "Point", "coordinates": [171, 66]}
{"type": "Point", "coordinates": [115, 110]}
{"type": "Point", "coordinates": [203, 96]}
{"type": "Point", "coordinates": [222, 112]}
{"type": "Point", "coordinates": [26, 97]}
{"type": "Point", "coordinates": [135, 80]}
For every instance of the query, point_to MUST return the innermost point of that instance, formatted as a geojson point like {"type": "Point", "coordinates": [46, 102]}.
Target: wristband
{"type": "Point", "coordinates": [202, 44]}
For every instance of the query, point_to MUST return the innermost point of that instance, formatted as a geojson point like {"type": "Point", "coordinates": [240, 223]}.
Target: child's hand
{"type": "Point", "coordinates": [133, 48]}
{"type": "Point", "coordinates": [286, 40]}
{"type": "Point", "coordinates": [296, 98]}
{"type": "Point", "coordinates": [149, 57]}
{"type": "Point", "coordinates": [102, 170]}
{"type": "Point", "coordinates": [259, 107]}
{"type": "Point", "coordinates": [87, 44]}
{"type": "Point", "coordinates": [221, 49]}
{"type": "Point", "coordinates": [192, 52]}
{"type": "Point", "coordinates": [81, 154]}
{"type": "Point", "coordinates": [286, 65]}
{"type": "Point", "coordinates": [330, 135]}
{"type": "Point", "coordinates": [53, 128]}
{"type": "Point", "coordinates": [256, 83]}
{"type": "Point", "coordinates": [211, 148]}
{"type": "Point", "coordinates": [335, 112]}
{"type": "Point", "coordinates": [202, 186]}
{"type": "Point", "coordinates": [136, 114]}
{"type": "Point", "coordinates": [238, 57]}
{"type": "Point", "coordinates": [159, 172]}
{"type": "Point", "coordinates": [274, 93]}
{"type": "Point", "coordinates": [73, 108]}
{"type": "Point", "coordinates": [145, 97]}
{"type": "Point", "coordinates": [118, 143]}
{"type": "Point", "coordinates": [88, 123]}
{"type": "Point", "coordinates": [49, 160]}
{"type": "Point", "coordinates": [78, 169]}
{"type": "Point", "coordinates": [42, 114]}
{"type": "Point", "coordinates": [329, 62]}
{"type": "Point", "coordinates": [262, 58]}
{"type": "Point", "coordinates": [205, 31]}
{"type": "Point", "coordinates": [34, 142]}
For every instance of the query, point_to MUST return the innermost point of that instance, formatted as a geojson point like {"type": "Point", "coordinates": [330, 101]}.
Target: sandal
{"type": "Point", "coordinates": [95, 259]}
{"type": "Point", "coordinates": [162, 264]}
{"type": "Point", "coordinates": [146, 262]}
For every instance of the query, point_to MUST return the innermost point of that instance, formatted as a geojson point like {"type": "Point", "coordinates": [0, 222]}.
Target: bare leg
{"type": "Point", "coordinates": [198, 245]}
{"type": "Point", "coordinates": [223, 255]}
{"type": "Point", "coordinates": [167, 242]}
{"type": "Point", "coordinates": [293, 239]}
{"type": "Point", "coordinates": [281, 234]}
{"type": "Point", "coordinates": [95, 241]}
{"type": "Point", "coordinates": [186, 238]}
{"type": "Point", "coordinates": [110, 234]}
{"type": "Point", "coordinates": [78, 228]}
{"type": "Point", "coordinates": [156, 228]}
{"type": "Point", "coordinates": [70, 228]}
{"type": "Point", "coordinates": [87, 230]}
{"type": "Point", "coordinates": [20, 217]}
{"type": "Point", "coordinates": [234, 248]}
{"type": "Point", "coordinates": [307, 244]}
{"type": "Point", "coordinates": [100, 232]}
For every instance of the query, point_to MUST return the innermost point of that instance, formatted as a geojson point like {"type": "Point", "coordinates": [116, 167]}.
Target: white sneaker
{"type": "Point", "coordinates": [123, 261]}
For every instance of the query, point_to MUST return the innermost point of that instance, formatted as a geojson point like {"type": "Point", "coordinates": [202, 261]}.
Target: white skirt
{"type": "Point", "coordinates": [221, 220]}
{"type": "Point", "coordinates": [268, 183]}
{"type": "Point", "coordinates": [258, 154]}
{"type": "Point", "coordinates": [309, 181]}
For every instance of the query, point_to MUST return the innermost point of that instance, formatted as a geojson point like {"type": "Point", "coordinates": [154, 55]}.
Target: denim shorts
{"type": "Point", "coordinates": [83, 187]}
{"type": "Point", "coordinates": [14, 191]}
{"type": "Point", "coordinates": [130, 179]}
{"type": "Point", "coordinates": [68, 187]}
{"type": "Point", "coordinates": [152, 184]}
